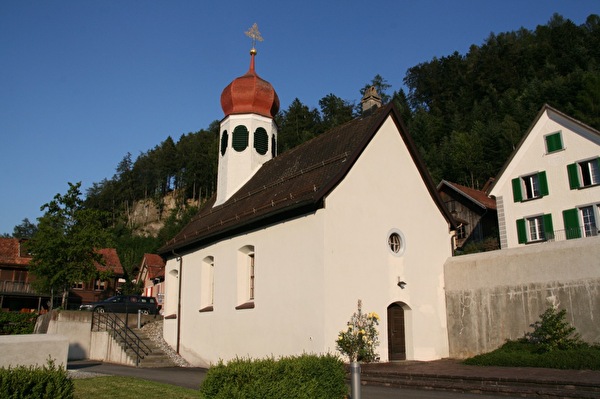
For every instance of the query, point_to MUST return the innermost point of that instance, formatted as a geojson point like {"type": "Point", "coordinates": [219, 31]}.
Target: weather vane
{"type": "Point", "coordinates": [254, 34]}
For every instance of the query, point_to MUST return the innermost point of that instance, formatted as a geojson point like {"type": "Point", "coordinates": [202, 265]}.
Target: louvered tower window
{"type": "Point", "coordinates": [239, 139]}
{"type": "Point", "coordinates": [261, 141]}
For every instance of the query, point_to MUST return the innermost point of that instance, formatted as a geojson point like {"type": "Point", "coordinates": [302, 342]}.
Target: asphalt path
{"type": "Point", "coordinates": [192, 377]}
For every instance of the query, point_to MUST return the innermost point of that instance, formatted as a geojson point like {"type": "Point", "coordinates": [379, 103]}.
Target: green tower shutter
{"type": "Point", "coordinates": [516, 186]}
{"type": "Point", "coordinates": [571, 220]}
{"type": "Point", "coordinates": [521, 231]}
{"type": "Point", "coordinates": [239, 139]}
{"type": "Point", "coordinates": [573, 176]}
{"type": "Point", "coordinates": [261, 141]}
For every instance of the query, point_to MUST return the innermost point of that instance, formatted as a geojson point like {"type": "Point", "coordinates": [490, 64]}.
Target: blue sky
{"type": "Point", "coordinates": [84, 82]}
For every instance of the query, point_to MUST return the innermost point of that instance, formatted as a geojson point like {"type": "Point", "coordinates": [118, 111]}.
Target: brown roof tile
{"type": "Point", "coordinates": [293, 183]}
{"type": "Point", "coordinates": [10, 252]}
{"type": "Point", "coordinates": [111, 261]}
{"type": "Point", "coordinates": [477, 196]}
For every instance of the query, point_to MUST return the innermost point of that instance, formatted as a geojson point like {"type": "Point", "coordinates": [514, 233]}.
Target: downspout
{"type": "Point", "coordinates": [179, 275]}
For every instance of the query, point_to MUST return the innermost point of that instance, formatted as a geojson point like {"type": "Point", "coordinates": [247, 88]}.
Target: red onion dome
{"type": "Point", "coordinates": [250, 94]}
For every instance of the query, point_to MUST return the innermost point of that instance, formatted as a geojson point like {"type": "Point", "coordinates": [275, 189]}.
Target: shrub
{"type": "Point", "coordinates": [360, 339]}
{"type": "Point", "coordinates": [306, 376]}
{"type": "Point", "coordinates": [49, 382]}
{"type": "Point", "coordinates": [553, 332]}
{"type": "Point", "coordinates": [17, 323]}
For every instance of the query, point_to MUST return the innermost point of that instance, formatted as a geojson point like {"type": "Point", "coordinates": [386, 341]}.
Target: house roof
{"type": "Point", "coordinates": [295, 183]}
{"type": "Point", "coordinates": [10, 252]}
{"type": "Point", "coordinates": [111, 261]}
{"type": "Point", "coordinates": [478, 197]}
{"type": "Point", "coordinates": [545, 108]}
{"type": "Point", "coordinates": [155, 264]}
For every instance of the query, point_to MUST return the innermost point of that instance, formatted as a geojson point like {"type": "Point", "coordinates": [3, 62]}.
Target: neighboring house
{"type": "Point", "coordinates": [474, 212]}
{"type": "Point", "coordinates": [275, 263]}
{"type": "Point", "coordinates": [99, 288]}
{"type": "Point", "coordinates": [152, 276]}
{"type": "Point", "coordinates": [16, 292]}
{"type": "Point", "coordinates": [549, 189]}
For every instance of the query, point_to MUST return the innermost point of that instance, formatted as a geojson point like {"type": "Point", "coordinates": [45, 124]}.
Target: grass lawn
{"type": "Point", "coordinates": [115, 387]}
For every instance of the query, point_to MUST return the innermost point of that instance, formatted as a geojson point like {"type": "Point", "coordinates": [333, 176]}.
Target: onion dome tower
{"type": "Point", "coordinates": [248, 133]}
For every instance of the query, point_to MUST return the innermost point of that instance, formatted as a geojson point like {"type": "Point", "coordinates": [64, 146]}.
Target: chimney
{"type": "Point", "coordinates": [370, 100]}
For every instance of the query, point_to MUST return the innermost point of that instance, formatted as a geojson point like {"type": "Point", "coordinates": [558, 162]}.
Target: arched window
{"type": "Point", "coordinates": [273, 146]}
{"type": "Point", "coordinates": [207, 284]}
{"type": "Point", "coordinates": [261, 141]}
{"type": "Point", "coordinates": [246, 286]}
{"type": "Point", "coordinates": [224, 140]}
{"type": "Point", "coordinates": [239, 139]}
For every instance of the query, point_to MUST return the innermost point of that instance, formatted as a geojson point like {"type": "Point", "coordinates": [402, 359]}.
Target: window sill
{"type": "Point", "coordinates": [208, 308]}
{"type": "Point", "coordinates": [588, 186]}
{"type": "Point", "coordinates": [532, 199]}
{"type": "Point", "coordinates": [247, 305]}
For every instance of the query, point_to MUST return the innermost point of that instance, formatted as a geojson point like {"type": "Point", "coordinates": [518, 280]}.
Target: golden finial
{"type": "Point", "coordinates": [254, 34]}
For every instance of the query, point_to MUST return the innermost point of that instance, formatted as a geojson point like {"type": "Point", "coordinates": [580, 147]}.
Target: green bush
{"type": "Point", "coordinates": [553, 343]}
{"type": "Point", "coordinates": [17, 323]}
{"type": "Point", "coordinates": [306, 376]}
{"type": "Point", "coordinates": [22, 382]}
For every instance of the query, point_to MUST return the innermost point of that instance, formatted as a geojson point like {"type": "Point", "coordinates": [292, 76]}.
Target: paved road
{"type": "Point", "coordinates": [192, 377]}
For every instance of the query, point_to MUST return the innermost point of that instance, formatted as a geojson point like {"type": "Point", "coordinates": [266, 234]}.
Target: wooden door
{"type": "Point", "coordinates": [396, 333]}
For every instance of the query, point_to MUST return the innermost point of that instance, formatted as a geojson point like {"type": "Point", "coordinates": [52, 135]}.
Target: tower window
{"type": "Point", "coordinates": [224, 140]}
{"type": "Point", "coordinates": [239, 139]}
{"type": "Point", "coordinates": [261, 141]}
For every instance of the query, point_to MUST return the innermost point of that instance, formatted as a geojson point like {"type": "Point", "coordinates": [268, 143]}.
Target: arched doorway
{"type": "Point", "coordinates": [396, 332]}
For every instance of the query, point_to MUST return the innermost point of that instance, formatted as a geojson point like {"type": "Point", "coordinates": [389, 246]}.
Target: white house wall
{"type": "Point", "coordinates": [384, 191]}
{"type": "Point", "coordinates": [288, 314]}
{"type": "Point", "coordinates": [579, 144]}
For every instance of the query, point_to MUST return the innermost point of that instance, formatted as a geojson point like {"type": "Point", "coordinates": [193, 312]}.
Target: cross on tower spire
{"type": "Point", "coordinates": [254, 34]}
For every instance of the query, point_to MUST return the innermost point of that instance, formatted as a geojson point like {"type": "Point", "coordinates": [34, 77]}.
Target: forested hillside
{"type": "Point", "coordinates": [466, 112]}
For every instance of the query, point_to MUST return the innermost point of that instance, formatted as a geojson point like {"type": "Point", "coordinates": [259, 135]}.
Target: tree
{"type": "Point", "coordinates": [64, 247]}
{"type": "Point", "coordinates": [297, 125]}
{"type": "Point", "coordinates": [24, 230]}
{"type": "Point", "coordinates": [334, 111]}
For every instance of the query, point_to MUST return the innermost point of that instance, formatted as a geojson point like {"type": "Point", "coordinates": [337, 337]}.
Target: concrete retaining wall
{"type": "Point", "coordinates": [494, 296]}
{"type": "Point", "coordinates": [33, 350]}
{"type": "Point", "coordinates": [76, 326]}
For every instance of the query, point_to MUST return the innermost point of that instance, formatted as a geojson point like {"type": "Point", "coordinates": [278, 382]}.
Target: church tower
{"type": "Point", "coordinates": [248, 133]}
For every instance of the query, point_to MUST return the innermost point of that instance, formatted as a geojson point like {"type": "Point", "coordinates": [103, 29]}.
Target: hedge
{"type": "Point", "coordinates": [306, 376]}
{"type": "Point", "coordinates": [48, 382]}
{"type": "Point", "coordinates": [17, 323]}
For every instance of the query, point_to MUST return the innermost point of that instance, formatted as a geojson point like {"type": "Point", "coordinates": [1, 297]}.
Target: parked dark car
{"type": "Point", "coordinates": [124, 304]}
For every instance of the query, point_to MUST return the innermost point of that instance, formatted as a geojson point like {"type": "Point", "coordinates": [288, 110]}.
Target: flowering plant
{"type": "Point", "coordinates": [360, 339]}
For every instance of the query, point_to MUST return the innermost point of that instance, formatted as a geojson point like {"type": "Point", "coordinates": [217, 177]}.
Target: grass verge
{"type": "Point", "coordinates": [523, 354]}
{"type": "Point", "coordinates": [115, 387]}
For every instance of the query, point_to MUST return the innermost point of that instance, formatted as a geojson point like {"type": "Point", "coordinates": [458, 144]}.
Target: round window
{"type": "Point", "coordinates": [396, 242]}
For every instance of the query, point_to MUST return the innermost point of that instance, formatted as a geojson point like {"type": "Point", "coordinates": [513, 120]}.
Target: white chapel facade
{"type": "Point", "coordinates": [275, 263]}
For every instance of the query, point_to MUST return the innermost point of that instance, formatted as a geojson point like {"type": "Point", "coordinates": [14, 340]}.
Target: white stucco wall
{"type": "Point", "coordinates": [311, 271]}
{"type": "Point", "coordinates": [384, 191]}
{"type": "Point", "coordinates": [579, 144]}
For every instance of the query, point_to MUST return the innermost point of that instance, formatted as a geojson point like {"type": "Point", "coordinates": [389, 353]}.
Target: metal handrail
{"type": "Point", "coordinates": [112, 323]}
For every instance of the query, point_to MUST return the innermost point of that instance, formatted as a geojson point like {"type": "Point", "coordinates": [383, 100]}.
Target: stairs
{"type": "Point", "coordinates": [156, 358]}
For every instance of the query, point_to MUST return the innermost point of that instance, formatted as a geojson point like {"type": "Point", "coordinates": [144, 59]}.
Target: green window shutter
{"type": "Point", "coordinates": [571, 220]}
{"type": "Point", "coordinates": [239, 139]}
{"type": "Point", "coordinates": [548, 227]}
{"type": "Point", "coordinates": [521, 231]}
{"type": "Point", "coordinates": [516, 186]}
{"type": "Point", "coordinates": [573, 176]}
{"type": "Point", "coordinates": [224, 140]}
{"type": "Point", "coordinates": [273, 146]}
{"type": "Point", "coordinates": [543, 183]}
{"type": "Point", "coordinates": [553, 142]}
{"type": "Point", "coordinates": [261, 141]}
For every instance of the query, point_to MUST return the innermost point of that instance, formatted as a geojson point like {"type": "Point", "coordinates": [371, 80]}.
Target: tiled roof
{"type": "Point", "coordinates": [294, 183]}
{"type": "Point", "coordinates": [10, 253]}
{"type": "Point", "coordinates": [476, 196]}
{"type": "Point", "coordinates": [155, 264]}
{"type": "Point", "coordinates": [111, 261]}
